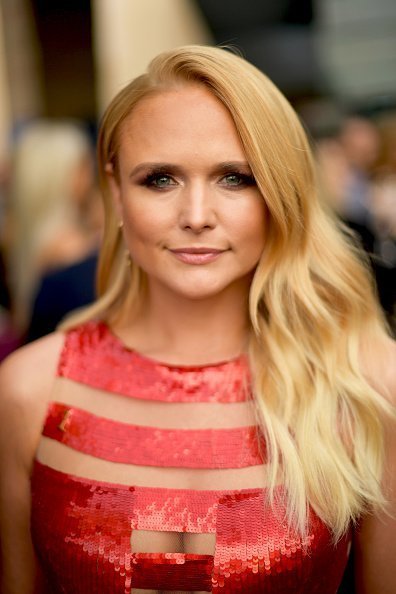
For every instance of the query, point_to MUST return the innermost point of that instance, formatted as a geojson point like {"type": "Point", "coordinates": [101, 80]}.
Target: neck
{"type": "Point", "coordinates": [188, 332]}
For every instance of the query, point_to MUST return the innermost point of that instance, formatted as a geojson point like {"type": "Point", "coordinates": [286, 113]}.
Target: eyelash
{"type": "Point", "coordinates": [245, 179]}
{"type": "Point", "coordinates": [151, 178]}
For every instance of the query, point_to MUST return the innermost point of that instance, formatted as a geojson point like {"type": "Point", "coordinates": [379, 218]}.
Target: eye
{"type": "Point", "coordinates": [237, 180]}
{"type": "Point", "coordinates": [159, 181]}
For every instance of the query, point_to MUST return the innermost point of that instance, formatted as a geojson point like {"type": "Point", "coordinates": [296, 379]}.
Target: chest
{"type": "Point", "coordinates": [106, 538]}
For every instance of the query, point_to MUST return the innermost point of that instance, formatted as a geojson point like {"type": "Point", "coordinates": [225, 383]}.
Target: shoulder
{"type": "Point", "coordinates": [379, 366]}
{"type": "Point", "coordinates": [25, 387]}
{"type": "Point", "coordinates": [375, 548]}
{"type": "Point", "coordinates": [31, 368]}
{"type": "Point", "coordinates": [26, 379]}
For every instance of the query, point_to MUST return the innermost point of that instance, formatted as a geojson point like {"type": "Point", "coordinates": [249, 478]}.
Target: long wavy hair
{"type": "Point", "coordinates": [311, 299]}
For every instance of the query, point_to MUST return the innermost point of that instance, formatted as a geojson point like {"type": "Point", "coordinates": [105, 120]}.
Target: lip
{"type": "Point", "coordinates": [197, 255]}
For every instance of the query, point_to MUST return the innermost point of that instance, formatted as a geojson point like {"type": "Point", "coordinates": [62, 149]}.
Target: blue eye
{"type": "Point", "coordinates": [159, 181]}
{"type": "Point", "coordinates": [238, 180]}
{"type": "Point", "coordinates": [233, 179]}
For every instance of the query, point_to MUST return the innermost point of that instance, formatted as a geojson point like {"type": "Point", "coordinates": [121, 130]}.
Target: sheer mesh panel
{"type": "Point", "coordinates": [146, 591]}
{"type": "Point", "coordinates": [146, 541]}
{"type": "Point", "coordinates": [64, 459]}
{"type": "Point", "coordinates": [182, 415]}
{"type": "Point", "coordinates": [168, 529]}
{"type": "Point", "coordinates": [152, 479]}
{"type": "Point", "coordinates": [162, 415]}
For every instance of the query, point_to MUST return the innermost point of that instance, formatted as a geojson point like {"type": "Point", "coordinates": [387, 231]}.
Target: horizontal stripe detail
{"type": "Point", "coordinates": [149, 446]}
{"type": "Point", "coordinates": [149, 508]}
{"type": "Point", "coordinates": [64, 459]}
{"type": "Point", "coordinates": [93, 355]}
{"type": "Point", "coordinates": [172, 510]}
{"type": "Point", "coordinates": [254, 550]}
{"type": "Point", "coordinates": [164, 415]}
{"type": "Point", "coordinates": [173, 571]}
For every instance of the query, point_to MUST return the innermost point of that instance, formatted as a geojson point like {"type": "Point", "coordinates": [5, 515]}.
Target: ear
{"type": "Point", "coordinates": [115, 190]}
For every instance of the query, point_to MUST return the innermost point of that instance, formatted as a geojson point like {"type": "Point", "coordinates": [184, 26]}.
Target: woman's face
{"type": "Point", "coordinates": [193, 215]}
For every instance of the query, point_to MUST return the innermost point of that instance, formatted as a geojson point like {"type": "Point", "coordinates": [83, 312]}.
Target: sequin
{"type": "Point", "coordinates": [124, 371]}
{"type": "Point", "coordinates": [133, 444]}
{"type": "Point", "coordinates": [179, 571]}
{"type": "Point", "coordinates": [83, 530]}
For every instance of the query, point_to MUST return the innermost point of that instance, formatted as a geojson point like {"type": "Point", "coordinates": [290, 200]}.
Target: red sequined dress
{"type": "Point", "coordinates": [150, 478]}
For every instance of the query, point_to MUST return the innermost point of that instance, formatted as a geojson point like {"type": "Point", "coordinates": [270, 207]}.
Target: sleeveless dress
{"type": "Point", "coordinates": [151, 478]}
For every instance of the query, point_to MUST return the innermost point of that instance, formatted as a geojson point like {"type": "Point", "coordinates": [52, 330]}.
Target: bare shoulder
{"type": "Point", "coordinates": [29, 371]}
{"type": "Point", "coordinates": [375, 545]}
{"type": "Point", "coordinates": [379, 366]}
{"type": "Point", "coordinates": [26, 379]}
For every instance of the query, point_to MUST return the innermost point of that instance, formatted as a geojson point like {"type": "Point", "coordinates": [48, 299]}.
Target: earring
{"type": "Point", "coordinates": [120, 225]}
{"type": "Point", "coordinates": [128, 258]}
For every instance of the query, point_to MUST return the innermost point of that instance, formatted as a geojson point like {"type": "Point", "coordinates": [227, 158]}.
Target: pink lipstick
{"type": "Point", "coordinates": [197, 256]}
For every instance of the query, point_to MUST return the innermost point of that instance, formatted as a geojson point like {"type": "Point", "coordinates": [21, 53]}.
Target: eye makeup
{"type": "Point", "coordinates": [233, 176]}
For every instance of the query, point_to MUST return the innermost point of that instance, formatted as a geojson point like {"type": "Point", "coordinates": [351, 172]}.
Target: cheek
{"type": "Point", "coordinates": [139, 221]}
{"type": "Point", "coordinates": [254, 247]}
{"type": "Point", "coordinates": [251, 230]}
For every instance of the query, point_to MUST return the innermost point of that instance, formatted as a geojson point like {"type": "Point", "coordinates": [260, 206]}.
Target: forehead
{"type": "Point", "coordinates": [181, 125]}
{"type": "Point", "coordinates": [190, 107]}
{"type": "Point", "coordinates": [189, 93]}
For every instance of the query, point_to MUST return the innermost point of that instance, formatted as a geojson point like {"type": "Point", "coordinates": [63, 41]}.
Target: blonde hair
{"type": "Point", "coordinates": [311, 300]}
{"type": "Point", "coordinates": [45, 158]}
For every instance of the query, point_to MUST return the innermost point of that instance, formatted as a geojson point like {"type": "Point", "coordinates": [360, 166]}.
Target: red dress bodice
{"type": "Point", "coordinates": [104, 537]}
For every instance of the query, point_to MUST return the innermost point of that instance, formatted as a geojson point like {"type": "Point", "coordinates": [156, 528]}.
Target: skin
{"type": "Point", "coordinates": [200, 196]}
{"type": "Point", "coordinates": [25, 386]}
{"type": "Point", "coordinates": [190, 129]}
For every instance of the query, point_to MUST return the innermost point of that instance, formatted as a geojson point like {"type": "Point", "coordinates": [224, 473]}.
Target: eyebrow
{"type": "Point", "coordinates": [160, 167]}
{"type": "Point", "coordinates": [232, 165]}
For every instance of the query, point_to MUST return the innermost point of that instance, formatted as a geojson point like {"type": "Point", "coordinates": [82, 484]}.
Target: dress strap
{"type": "Point", "coordinates": [112, 440]}
{"type": "Point", "coordinates": [93, 355]}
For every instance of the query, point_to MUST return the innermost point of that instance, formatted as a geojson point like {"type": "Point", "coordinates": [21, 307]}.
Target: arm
{"type": "Point", "coordinates": [375, 542]}
{"type": "Point", "coordinates": [25, 388]}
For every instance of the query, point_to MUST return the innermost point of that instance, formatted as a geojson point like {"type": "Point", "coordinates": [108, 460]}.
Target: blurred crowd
{"type": "Point", "coordinates": [50, 230]}
{"type": "Point", "coordinates": [357, 173]}
{"type": "Point", "coordinates": [51, 218]}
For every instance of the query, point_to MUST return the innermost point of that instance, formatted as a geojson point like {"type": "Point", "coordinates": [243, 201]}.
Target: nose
{"type": "Point", "coordinates": [197, 208]}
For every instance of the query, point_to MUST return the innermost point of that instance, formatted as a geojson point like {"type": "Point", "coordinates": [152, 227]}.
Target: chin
{"type": "Point", "coordinates": [195, 292]}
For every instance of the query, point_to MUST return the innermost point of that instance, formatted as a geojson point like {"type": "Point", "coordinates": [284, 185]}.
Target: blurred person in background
{"type": "Point", "coordinates": [355, 169]}
{"type": "Point", "coordinates": [60, 292]}
{"type": "Point", "coordinates": [383, 209]}
{"type": "Point", "coordinates": [9, 336]}
{"type": "Point", "coordinates": [360, 145]}
{"type": "Point", "coordinates": [386, 164]}
{"type": "Point", "coordinates": [53, 209]}
{"type": "Point", "coordinates": [346, 164]}
{"type": "Point", "coordinates": [4, 178]}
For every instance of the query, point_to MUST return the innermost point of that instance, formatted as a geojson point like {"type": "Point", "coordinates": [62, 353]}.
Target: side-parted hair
{"type": "Point", "coordinates": [311, 299]}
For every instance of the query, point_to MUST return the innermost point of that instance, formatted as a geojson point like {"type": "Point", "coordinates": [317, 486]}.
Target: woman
{"type": "Point", "coordinates": [216, 421]}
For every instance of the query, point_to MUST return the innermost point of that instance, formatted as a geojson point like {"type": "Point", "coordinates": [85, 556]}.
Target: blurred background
{"type": "Point", "coordinates": [61, 63]}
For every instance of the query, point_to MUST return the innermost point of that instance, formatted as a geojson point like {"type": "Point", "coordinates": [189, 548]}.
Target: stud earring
{"type": "Point", "coordinates": [120, 224]}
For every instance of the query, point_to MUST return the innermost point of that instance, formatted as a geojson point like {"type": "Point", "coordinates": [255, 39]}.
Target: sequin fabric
{"type": "Point", "coordinates": [132, 444]}
{"type": "Point", "coordinates": [113, 369]}
{"type": "Point", "coordinates": [104, 538]}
